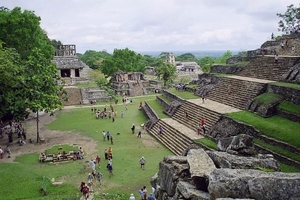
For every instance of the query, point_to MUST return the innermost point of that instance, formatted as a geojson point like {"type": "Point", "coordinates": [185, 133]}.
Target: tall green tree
{"type": "Point", "coordinates": [222, 60]}
{"type": "Point", "coordinates": [11, 81]}
{"type": "Point", "coordinates": [21, 30]}
{"type": "Point", "coordinates": [125, 60]}
{"type": "Point", "coordinates": [186, 57]}
{"type": "Point", "coordinates": [205, 63]}
{"type": "Point", "coordinates": [29, 66]}
{"type": "Point", "coordinates": [166, 72]}
{"type": "Point", "coordinates": [151, 61]}
{"type": "Point", "coordinates": [93, 58]}
{"type": "Point", "coordinates": [289, 19]}
{"type": "Point", "coordinates": [55, 43]}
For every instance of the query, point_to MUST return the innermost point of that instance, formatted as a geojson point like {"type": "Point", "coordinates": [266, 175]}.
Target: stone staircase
{"type": "Point", "coordinates": [135, 89]}
{"type": "Point", "coordinates": [195, 113]}
{"type": "Point", "coordinates": [242, 92]}
{"type": "Point", "coordinates": [265, 68]}
{"type": "Point", "coordinates": [74, 96]}
{"type": "Point", "coordinates": [172, 138]}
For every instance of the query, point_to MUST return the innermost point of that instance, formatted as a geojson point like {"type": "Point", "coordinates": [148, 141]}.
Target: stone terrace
{"type": "Point", "coordinates": [197, 110]}
{"type": "Point", "coordinates": [265, 68]}
{"type": "Point", "coordinates": [242, 92]}
{"type": "Point", "coordinates": [175, 137]}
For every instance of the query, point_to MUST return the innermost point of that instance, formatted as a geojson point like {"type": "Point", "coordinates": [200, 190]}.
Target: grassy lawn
{"type": "Point", "coordinates": [157, 108]}
{"type": "Point", "coordinates": [268, 98]}
{"type": "Point", "coordinates": [289, 107]}
{"type": "Point", "coordinates": [208, 142]}
{"type": "Point", "coordinates": [275, 127]}
{"type": "Point", "coordinates": [288, 168]}
{"type": "Point", "coordinates": [183, 94]}
{"type": "Point", "coordinates": [278, 150]}
{"type": "Point", "coordinates": [165, 98]}
{"type": "Point", "coordinates": [25, 175]}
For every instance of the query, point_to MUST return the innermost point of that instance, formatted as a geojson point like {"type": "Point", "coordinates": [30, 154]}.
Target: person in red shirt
{"type": "Point", "coordinates": [202, 121]}
{"type": "Point", "coordinates": [98, 159]}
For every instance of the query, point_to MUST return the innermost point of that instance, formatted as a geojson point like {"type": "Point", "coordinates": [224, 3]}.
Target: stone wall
{"type": "Point", "coordinates": [172, 96]}
{"type": "Point", "coordinates": [89, 94]}
{"type": "Point", "coordinates": [204, 175]}
{"type": "Point", "coordinates": [226, 69]}
{"type": "Point", "coordinates": [236, 59]}
{"type": "Point", "coordinates": [162, 102]}
{"type": "Point", "coordinates": [290, 94]}
{"type": "Point", "coordinates": [290, 116]}
{"type": "Point", "coordinates": [264, 110]}
{"type": "Point", "coordinates": [74, 96]}
{"type": "Point", "coordinates": [226, 127]}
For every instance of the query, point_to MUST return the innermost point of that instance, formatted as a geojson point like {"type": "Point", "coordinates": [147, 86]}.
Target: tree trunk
{"type": "Point", "coordinates": [37, 127]}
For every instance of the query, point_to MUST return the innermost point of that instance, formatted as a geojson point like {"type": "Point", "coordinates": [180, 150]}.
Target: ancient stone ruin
{"type": "Point", "coordinates": [207, 175]}
{"type": "Point", "coordinates": [133, 84]}
{"type": "Point", "coordinates": [70, 68]}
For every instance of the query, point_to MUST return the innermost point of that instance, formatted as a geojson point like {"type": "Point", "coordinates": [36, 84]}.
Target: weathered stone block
{"type": "Point", "coordinates": [240, 183]}
{"type": "Point", "coordinates": [226, 160]}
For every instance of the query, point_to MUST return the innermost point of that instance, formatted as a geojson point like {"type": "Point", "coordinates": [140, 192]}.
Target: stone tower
{"type": "Point", "coordinates": [170, 58]}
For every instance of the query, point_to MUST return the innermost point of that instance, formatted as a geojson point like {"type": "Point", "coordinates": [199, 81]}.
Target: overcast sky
{"type": "Point", "coordinates": [158, 25]}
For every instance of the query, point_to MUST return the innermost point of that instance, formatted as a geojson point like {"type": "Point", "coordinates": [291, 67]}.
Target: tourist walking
{"type": "Point", "coordinates": [1, 153]}
{"type": "Point", "coordinates": [150, 197]}
{"type": "Point", "coordinates": [98, 160]}
{"type": "Point", "coordinates": [139, 135]}
{"type": "Point", "coordinates": [8, 151]}
{"type": "Point", "coordinates": [92, 163]}
{"type": "Point", "coordinates": [110, 169]}
{"type": "Point", "coordinates": [103, 135]}
{"type": "Point", "coordinates": [105, 154]}
{"type": "Point", "coordinates": [160, 130]}
{"type": "Point", "coordinates": [107, 135]}
{"type": "Point", "coordinates": [142, 162]}
{"type": "Point", "coordinates": [276, 58]}
{"type": "Point", "coordinates": [131, 197]}
{"type": "Point", "coordinates": [132, 128]}
{"type": "Point", "coordinates": [99, 176]}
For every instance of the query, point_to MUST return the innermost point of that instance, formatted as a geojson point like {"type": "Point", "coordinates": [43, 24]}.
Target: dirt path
{"type": "Point", "coordinates": [51, 138]}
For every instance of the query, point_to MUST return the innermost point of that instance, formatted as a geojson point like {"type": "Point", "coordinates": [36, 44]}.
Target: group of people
{"type": "Point", "coordinates": [107, 136]}
{"type": "Point", "coordinates": [7, 150]}
{"type": "Point", "coordinates": [109, 156]}
{"type": "Point", "coordinates": [11, 128]}
{"type": "Point", "coordinates": [87, 187]}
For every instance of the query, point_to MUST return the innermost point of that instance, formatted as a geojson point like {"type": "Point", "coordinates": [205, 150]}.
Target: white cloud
{"type": "Point", "coordinates": [144, 25]}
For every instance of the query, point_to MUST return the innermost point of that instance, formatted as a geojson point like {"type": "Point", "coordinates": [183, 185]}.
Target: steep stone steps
{"type": "Point", "coordinates": [172, 138]}
{"type": "Point", "coordinates": [265, 68]}
{"type": "Point", "coordinates": [236, 92]}
{"type": "Point", "coordinates": [195, 113]}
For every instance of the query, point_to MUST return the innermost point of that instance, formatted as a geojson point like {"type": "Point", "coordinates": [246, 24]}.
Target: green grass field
{"type": "Point", "coordinates": [275, 127]}
{"type": "Point", "coordinates": [26, 174]}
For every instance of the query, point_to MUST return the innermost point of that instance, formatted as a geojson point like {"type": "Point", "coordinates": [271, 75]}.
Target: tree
{"type": "Point", "coordinates": [22, 31]}
{"type": "Point", "coordinates": [186, 57]}
{"type": "Point", "coordinates": [93, 58]}
{"type": "Point", "coordinates": [150, 61]}
{"type": "Point", "coordinates": [11, 82]}
{"type": "Point", "coordinates": [222, 60]}
{"type": "Point", "coordinates": [105, 85]}
{"type": "Point", "coordinates": [166, 72]}
{"type": "Point", "coordinates": [55, 43]}
{"type": "Point", "coordinates": [205, 63]}
{"type": "Point", "coordinates": [163, 55]}
{"type": "Point", "coordinates": [290, 19]}
{"type": "Point", "coordinates": [125, 60]}
{"type": "Point", "coordinates": [27, 56]}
